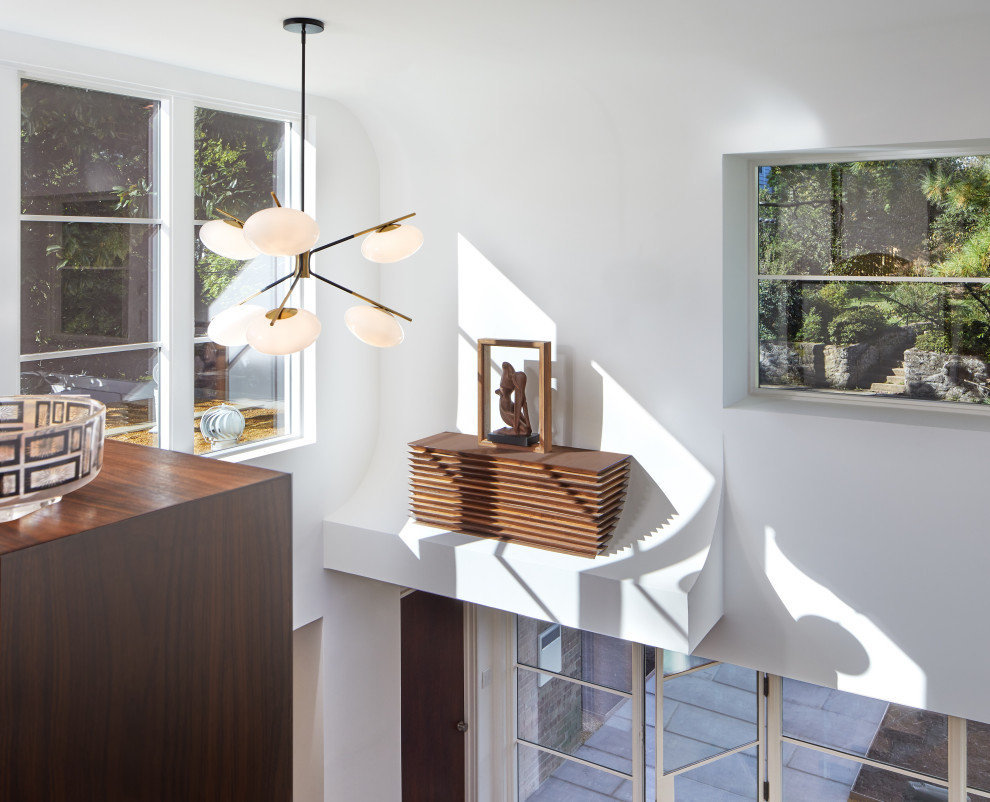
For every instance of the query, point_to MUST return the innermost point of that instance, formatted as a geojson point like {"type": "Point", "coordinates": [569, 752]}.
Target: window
{"type": "Point", "coordinates": [98, 248]}
{"type": "Point", "coordinates": [90, 233]}
{"type": "Point", "coordinates": [871, 278]}
{"type": "Point", "coordinates": [728, 733]}
{"type": "Point", "coordinates": [239, 162]}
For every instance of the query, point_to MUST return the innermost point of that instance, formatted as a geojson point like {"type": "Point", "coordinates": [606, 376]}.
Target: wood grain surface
{"type": "Point", "coordinates": [145, 637]}
{"type": "Point", "coordinates": [568, 500]}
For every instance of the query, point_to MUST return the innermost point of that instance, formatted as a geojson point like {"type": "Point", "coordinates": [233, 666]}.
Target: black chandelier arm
{"type": "Point", "coordinates": [358, 295]}
{"type": "Point", "coordinates": [265, 289]}
{"type": "Point", "coordinates": [362, 233]}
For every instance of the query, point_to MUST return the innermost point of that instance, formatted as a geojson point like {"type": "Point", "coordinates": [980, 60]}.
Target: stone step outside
{"type": "Point", "coordinates": [895, 380]}
{"type": "Point", "coordinates": [887, 388]}
{"type": "Point", "coordinates": [899, 372]}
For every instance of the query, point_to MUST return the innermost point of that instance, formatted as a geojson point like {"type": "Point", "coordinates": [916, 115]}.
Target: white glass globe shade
{"type": "Point", "coordinates": [227, 240]}
{"type": "Point", "coordinates": [280, 231]}
{"type": "Point", "coordinates": [391, 246]}
{"type": "Point", "coordinates": [231, 325]}
{"type": "Point", "coordinates": [373, 326]}
{"type": "Point", "coordinates": [288, 335]}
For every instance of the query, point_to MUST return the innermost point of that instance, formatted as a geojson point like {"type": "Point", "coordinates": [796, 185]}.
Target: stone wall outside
{"type": "Point", "coordinates": [837, 367]}
{"type": "Point", "coordinates": [945, 377]}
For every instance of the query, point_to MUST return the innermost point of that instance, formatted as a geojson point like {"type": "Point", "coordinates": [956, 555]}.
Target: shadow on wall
{"type": "Point", "coordinates": [663, 539]}
{"type": "Point", "coordinates": [647, 509]}
{"type": "Point", "coordinates": [851, 644]}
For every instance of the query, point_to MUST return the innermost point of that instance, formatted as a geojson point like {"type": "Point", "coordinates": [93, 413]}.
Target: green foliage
{"type": "Point", "coordinates": [236, 160]}
{"type": "Point", "coordinates": [856, 324]}
{"type": "Point", "coordinates": [213, 274]}
{"type": "Point", "coordinates": [78, 145]}
{"type": "Point", "coordinates": [236, 169]}
{"type": "Point", "coordinates": [779, 310]}
{"type": "Point", "coordinates": [812, 327]}
{"type": "Point", "coordinates": [93, 302]}
{"type": "Point", "coordinates": [833, 295]}
{"type": "Point", "coordinates": [971, 257]}
{"type": "Point", "coordinates": [91, 153]}
{"type": "Point", "coordinates": [92, 245]}
{"type": "Point", "coordinates": [841, 219]}
{"type": "Point", "coordinates": [918, 302]}
{"type": "Point", "coordinates": [907, 218]}
{"type": "Point", "coordinates": [934, 340]}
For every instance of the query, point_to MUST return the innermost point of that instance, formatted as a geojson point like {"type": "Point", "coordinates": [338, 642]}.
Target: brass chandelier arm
{"type": "Point", "coordinates": [275, 283]}
{"type": "Point", "coordinates": [276, 314]}
{"type": "Point", "coordinates": [358, 295]}
{"type": "Point", "coordinates": [233, 220]}
{"type": "Point", "coordinates": [362, 233]}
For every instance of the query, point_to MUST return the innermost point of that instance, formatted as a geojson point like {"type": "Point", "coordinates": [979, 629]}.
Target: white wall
{"type": "Point", "coordinates": [359, 632]}
{"type": "Point", "coordinates": [582, 156]}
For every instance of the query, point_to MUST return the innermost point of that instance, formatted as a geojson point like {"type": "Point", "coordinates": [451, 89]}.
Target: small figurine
{"type": "Point", "coordinates": [514, 409]}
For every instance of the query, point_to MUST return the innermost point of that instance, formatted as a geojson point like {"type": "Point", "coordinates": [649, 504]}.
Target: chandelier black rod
{"type": "Point", "coordinates": [302, 26]}
{"type": "Point", "coordinates": [265, 289]}
{"type": "Point", "coordinates": [302, 127]}
{"type": "Point", "coordinates": [359, 295]}
{"type": "Point", "coordinates": [361, 233]}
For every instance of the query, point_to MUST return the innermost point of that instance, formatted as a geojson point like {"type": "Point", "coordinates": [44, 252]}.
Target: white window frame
{"type": "Point", "coordinates": [769, 739]}
{"type": "Point", "coordinates": [741, 384]}
{"type": "Point", "coordinates": [175, 341]}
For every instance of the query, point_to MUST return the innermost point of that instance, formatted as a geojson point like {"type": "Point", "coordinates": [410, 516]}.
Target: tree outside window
{"type": "Point", "coordinates": [873, 278]}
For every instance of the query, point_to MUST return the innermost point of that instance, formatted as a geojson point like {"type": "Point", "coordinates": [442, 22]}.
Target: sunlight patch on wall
{"type": "Point", "coordinates": [489, 305]}
{"type": "Point", "coordinates": [628, 428]}
{"type": "Point", "coordinates": [889, 667]}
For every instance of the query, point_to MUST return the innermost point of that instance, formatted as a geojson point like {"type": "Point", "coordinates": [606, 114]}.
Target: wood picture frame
{"type": "Point", "coordinates": [485, 393]}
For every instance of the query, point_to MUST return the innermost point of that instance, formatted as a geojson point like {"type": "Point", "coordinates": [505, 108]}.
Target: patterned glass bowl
{"type": "Point", "coordinates": [50, 445]}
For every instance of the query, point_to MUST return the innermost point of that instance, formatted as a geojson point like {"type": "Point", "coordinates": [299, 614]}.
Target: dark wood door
{"type": "Point", "coordinates": [432, 698]}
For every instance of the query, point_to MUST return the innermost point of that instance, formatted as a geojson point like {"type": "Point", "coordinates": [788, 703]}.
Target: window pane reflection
{"type": "Point", "coordinates": [86, 285]}
{"type": "Point", "coordinates": [246, 379]}
{"type": "Point", "coordinates": [589, 723]}
{"type": "Point", "coordinates": [978, 754]}
{"type": "Point", "coordinates": [582, 655]}
{"type": "Point", "coordinates": [734, 778]}
{"type": "Point", "coordinates": [893, 734]}
{"type": "Point", "coordinates": [543, 777]}
{"type": "Point", "coordinates": [809, 774]}
{"type": "Point", "coordinates": [125, 382]}
{"type": "Point", "coordinates": [706, 713]}
{"type": "Point", "coordinates": [87, 153]}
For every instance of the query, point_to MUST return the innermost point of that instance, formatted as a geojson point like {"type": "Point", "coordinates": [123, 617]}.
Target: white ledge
{"type": "Point", "coordinates": [664, 589]}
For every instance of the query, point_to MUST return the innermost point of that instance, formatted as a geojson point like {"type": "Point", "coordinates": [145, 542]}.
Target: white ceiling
{"type": "Point", "coordinates": [372, 45]}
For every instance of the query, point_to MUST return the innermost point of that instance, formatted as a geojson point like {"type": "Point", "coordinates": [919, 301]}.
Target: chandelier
{"type": "Point", "coordinates": [281, 231]}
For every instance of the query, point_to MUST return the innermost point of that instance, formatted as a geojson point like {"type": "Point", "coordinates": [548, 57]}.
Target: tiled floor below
{"type": "Point", "coordinates": [707, 713]}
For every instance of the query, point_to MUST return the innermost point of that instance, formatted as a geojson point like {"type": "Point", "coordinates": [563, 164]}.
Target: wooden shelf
{"type": "Point", "coordinates": [568, 500]}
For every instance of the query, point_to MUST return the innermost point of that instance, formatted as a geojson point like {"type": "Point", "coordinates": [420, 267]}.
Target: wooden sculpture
{"type": "Point", "coordinates": [512, 404]}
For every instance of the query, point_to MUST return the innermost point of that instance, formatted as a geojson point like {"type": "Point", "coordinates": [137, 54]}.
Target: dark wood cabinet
{"type": "Point", "coordinates": [146, 635]}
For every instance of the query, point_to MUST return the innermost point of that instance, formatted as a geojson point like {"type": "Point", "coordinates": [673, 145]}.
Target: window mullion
{"type": "Point", "coordinates": [639, 723]}
{"type": "Point", "coordinates": [957, 759]}
{"type": "Point", "coordinates": [665, 782]}
{"type": "Point", "coordinates": [774, 734]}
{"type": "Point", "coordinates": [177, 287]}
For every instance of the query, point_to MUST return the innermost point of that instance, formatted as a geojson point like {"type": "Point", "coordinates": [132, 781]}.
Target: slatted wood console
{"type": "Point", "coordinates": [568, 500]}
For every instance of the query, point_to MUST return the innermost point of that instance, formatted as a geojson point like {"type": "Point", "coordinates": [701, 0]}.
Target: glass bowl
{"type": "Point", "coordinates": [50, 445]}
